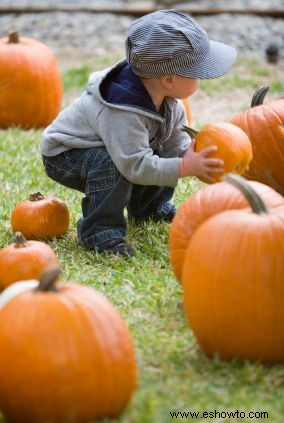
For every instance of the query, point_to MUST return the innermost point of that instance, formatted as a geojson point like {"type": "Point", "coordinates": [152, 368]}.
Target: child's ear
{"type": "Point", "coordinates": [167, 81]}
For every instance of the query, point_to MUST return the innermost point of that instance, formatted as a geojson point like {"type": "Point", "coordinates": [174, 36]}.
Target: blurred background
{"type": "Point", "coordinates": [89, 34]}
{"type": "Point", "coordinates": [77, 30]}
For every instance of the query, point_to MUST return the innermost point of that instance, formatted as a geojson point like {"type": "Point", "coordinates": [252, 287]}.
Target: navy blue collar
{"type": "Point", "coordinates": [121, 86]}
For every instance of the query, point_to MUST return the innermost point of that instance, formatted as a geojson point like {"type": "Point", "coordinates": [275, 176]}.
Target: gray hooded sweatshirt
{"type": "Point", "coordinates": [116, 111]}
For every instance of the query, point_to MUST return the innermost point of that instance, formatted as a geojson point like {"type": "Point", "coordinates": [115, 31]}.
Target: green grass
{"type": "Point", "coordinates": [77, 77]}
{"type": "Point", "coordinates": [247, 73]}
{"type": "Point", "coordinates": [174, 374]}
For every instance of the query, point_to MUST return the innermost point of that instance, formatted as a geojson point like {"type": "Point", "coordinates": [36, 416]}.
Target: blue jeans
{"type": "Point", "coordinates": [107, 193]}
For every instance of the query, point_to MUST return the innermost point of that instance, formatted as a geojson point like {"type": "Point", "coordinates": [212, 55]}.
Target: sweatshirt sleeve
{"type": "Point", "coordinates": [126, 138]}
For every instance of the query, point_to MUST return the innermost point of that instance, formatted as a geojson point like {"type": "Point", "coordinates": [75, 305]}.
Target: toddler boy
{"type": "Point", "coordinates": [121, 143]}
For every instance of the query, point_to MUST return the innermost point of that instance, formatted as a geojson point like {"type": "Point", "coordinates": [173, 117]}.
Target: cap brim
{"type": "Point", "coordinates": [218, 62]}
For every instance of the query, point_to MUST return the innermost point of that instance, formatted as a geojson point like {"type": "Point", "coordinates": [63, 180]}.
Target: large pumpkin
{"type": "Point", "coordinates": [233, 281]}
{"type": "Point", "coordinates": [203, 204]}
{"type": "Point", "coordinates": [233, 145]}
{"type": "Point", "coordinates": [66, 354]}
{"type": "Point", "coordinates": [263, 123]}
{"type": "Point", "coordinates": [41, 217]}
{"type": "Point", "coordinates": [30, 83]}
{"type": "Point", "coordinates": [24, 260]}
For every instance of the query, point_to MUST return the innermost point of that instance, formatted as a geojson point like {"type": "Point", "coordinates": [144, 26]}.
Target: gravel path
{"type": "Point", "coordinates": [84, 35]}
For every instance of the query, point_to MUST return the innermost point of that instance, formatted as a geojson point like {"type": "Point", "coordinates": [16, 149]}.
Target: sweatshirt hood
{"type": "Point", "coordinates": [120, 86]}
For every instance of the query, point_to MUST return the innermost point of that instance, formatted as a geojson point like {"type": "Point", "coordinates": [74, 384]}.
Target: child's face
{"type": "Point", "coordinates": [183, 87]}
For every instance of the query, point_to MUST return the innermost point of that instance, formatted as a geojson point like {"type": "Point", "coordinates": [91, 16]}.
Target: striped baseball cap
{"type": "Point", "coordinates": [168, 42]}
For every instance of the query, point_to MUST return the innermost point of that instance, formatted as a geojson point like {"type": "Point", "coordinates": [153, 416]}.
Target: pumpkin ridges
{"type": "Point", "coordinates": [276, 127]}
{"type": "Point", "coordinates": [230, 149]}
{"type": "Point", "coordinates": [21, 67]}
{"type": "Point", "coordinates": [26, 262]}
{"type": "Point", "coordinates": [264, 125]}
{"type": "Point", "coordinates": [119, 398]}
{"type": "Point", "coordinates": [263, 160]}
{"type": "Point", "coordinates": [111, 373]}
{"type": "Point", "coordinates": [272, 125]}
{"type": "Point", "coordinates": [42, 112]}
{"type": "Point", "coordinates": [49, 85]}
{"type": "Point", "coordinates": [46, 217]}
{"type": "Point", "coordinates": [206, 202]}
{"type": "Point", "coordinates": [50, 90]}
{"type": "Point", "coordinates": [95, 332]}
{"type": "Point", "coordinates": [233, 145]}
{"type": "Point", "coordinates": [242, 301]}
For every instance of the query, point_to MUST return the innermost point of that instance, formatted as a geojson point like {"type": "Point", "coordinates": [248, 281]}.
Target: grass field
{"type": "Point", "coordinates": [174, 374]}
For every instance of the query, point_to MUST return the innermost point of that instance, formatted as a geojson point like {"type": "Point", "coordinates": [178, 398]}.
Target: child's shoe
{"type": "Point", "coordinates": [166, 214]}
{"type": "Point", "coordinates": [116, 247]}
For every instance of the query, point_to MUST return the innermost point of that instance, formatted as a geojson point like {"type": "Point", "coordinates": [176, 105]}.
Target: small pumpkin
{"type": "Point", "coordinates": [24, 260]}
{"type": "Point", "coordinates": [263, 123]}
{"type": "Point", "coordinates": [41, 217]}
{"type": "Point", "coordinates": [30, 83]}
{"type": "Point", "coordinates": [233, 145]}
{"type": "Point", "coordinates": [206, 202]}
{"type": "Point", "coordinates": [233, 281]}
{"type": "Point", "coordinates": [66, 354]}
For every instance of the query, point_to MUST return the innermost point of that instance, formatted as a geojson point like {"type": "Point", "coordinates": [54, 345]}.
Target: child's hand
{"type": "Point", "coordinates": [198, 164]}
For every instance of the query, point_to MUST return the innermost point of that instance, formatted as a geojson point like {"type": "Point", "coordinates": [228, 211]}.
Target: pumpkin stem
{"type": "Point", "coordinates": [36, 196]}
{"type": "Point", "coordinates": [48, 279]}
{"type": "Point", "coordinates": [20, 240]}
{"type": "Point", "coordinates": [13, 37]}
{"type": "Point", "coordinates": [255, 201]}
{"type": "Point", "coordinates": [258, 96]}
{"type": "Point", "coordinates": [190, 131]}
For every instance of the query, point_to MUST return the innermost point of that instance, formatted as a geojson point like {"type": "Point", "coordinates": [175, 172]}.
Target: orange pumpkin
{"type": "Point", "coordinates": [205, 203]}
{"type": "Point", "coordinates": [263, 123]}
{"type": "Point", "coordinates": [66, 354]}
{"type": "Point", "coordinates": [41, 217]}
{"type": "Point", "coordinates": [233, 281]}
{"type": "Point", "coordinates": [234, 146]}
{"type": "Point", "coordinates": [24, 260]}
{"type": "Point", "coordinates": [187, 110]}
{"type": "Point", "coordinates": [30, 83]}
